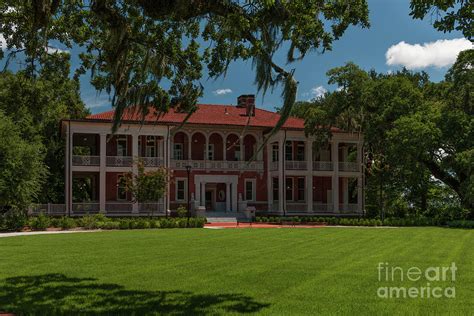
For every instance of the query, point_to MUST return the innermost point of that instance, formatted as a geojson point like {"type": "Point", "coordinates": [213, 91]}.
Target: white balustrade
{"type": "Point", "coordinates": [322, 165]}
{"type": "Point", "coordinates": [348, 166]}
{"type": "Point", "coordinates": [218, 165]}
{"type": "Point", "coordinates": [79, 160]}
{"type": "Point", "coordinates": [295, 165]}
{"type": "Point", "coordinates": [119, 161]}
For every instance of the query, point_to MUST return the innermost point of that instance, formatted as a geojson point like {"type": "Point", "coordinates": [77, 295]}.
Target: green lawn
{"type": "Point", "coordinates": [197, 271]}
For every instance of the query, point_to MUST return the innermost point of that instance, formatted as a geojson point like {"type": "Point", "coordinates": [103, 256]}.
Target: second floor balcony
{"type": "Point", "coordinates": [118, 150]}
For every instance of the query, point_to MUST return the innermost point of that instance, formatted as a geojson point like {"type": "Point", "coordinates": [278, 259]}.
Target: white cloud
{"type": "Point", "coordinates": [441, 53]}
{"type": "Point", "coordinates": [315, 92]}
{"type": "Point", "coordinates": [222, 91]}
{"type": "Point", "coordinates": [54, 50]}
{"type": "Point", "coordinates": [3, 42]}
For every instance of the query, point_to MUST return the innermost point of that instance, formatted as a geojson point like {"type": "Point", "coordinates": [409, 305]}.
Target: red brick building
{"type": "Point", "coordinates": [217, 143]}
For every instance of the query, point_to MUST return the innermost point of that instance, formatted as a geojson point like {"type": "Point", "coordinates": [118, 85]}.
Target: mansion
{"type": "Point", "coordinates": [213, 162]}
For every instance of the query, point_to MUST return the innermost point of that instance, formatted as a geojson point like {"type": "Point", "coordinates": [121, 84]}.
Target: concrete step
{"type": "Point", "coordinates": [222, 217]}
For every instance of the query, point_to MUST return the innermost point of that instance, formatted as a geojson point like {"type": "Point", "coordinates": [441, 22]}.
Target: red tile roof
{"type": "Point", "coordinates": [209, 114]}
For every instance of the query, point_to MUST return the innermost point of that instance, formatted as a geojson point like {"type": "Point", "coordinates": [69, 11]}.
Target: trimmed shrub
{"type": "Point", "coordinates": [67, 223]}
{"type": "Point", "coordinates": [15, 220]}
{"type": "Point", "coordinates": [40, 222]}
{"type": "Point", "coordinates": [460, 224]}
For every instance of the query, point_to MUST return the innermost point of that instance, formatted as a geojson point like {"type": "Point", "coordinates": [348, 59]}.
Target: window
{"type": "Point", "coordinates": [275, 189]}
{"type": "Point", "coordinates": [289, 189]}
{"type": "Point", "coordinates": [178, 151]}
{"type": "Point", "coordinates": [150, 149]}
{"type": "Point", "coordinates": [237, 152]}
{"type": "Point", "coordinates": [121, 192]}
{"type": "Point", "coordinates": [301, 188]}
{"type": "Point", "coordinates": [210, 152]}
{"type": "Point", "coordinates": [289, 151]}
{"type": "Point", "coordinates": [122, 145]}
{"type": "Point", "coordinates": [275, 152]}
{"type": "Point", "coordinates": [250, 185]}
{"type": "Point", "coordinates": [300, 152]}
{"type": "Point", "coordinates": [181, 186]}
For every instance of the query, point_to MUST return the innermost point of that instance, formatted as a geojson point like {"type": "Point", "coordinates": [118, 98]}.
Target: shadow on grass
{"type": "Point", "coordinates": [58, 294]}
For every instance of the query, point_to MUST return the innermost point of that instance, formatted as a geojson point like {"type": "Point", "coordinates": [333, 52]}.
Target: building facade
{"type": "Point", "coordinates": [230, 168]}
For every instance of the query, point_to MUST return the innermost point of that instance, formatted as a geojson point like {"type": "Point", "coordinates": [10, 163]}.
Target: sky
{"type": "Point", "coordinates": [394, 40]}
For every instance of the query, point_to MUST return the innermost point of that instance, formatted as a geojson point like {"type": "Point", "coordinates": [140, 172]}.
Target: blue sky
{"type": "Point", "coordinates": [390, 25]}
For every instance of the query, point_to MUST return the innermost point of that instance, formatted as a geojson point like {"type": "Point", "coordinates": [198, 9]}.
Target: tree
{"type": "Point", "coordinates": [22, 170]}
{"type": "Point", "coordinates": [448, 15]}
{"type": "Point", "coordinates": [37, 105]}
{"type": "Point", "coordinates": [419, 135]}
{"type": "Point", "coordinates": [145, 187]}
{"type": "Point", "coordinates": [148, 53]}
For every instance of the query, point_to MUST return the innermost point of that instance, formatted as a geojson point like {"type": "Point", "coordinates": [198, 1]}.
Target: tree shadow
{"type": "Point", "coordinates": [52, 294]}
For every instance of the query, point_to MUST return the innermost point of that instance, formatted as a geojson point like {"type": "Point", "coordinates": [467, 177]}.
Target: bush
{"type": "Point", "coordinates": [460, 224]}
{"type": "Point", "coordinates": [40, 222]}
{"type": "Point", "coordinates": [88, 222]}
{"type": "Point", "coordinates": [15, 220]}
{"type": "Point", "coordinates": [111, 225]}
{"type": "Point", "coordinates": [67, 223]}
{"type": "Point", "coordinates": [182, 211]}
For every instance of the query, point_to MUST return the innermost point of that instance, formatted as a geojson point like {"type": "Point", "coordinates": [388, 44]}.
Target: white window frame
{"type": "Point", "coordinates": [119, 187]}
{"type": "Point", "coordinates": [292, 189]}
{"type": "Point", "coordinates": [304, 151]}
{"type": "Point", "coordinates": [210, 152]}
{"type": "Point", "coordinates": [153, 147]}
{"type": "Point", "coordinates": [274, 152]}
{"type": "Point", "coordinates": [289, 144]}
{"type": "Point", "coordinates": [254, 189]}
{"type": "Point", "coordinates": [275, 189]}
{"type": "Point", "coordinates": [298, 188]}
{"type": "Point", "coordinates": [185, 180]}
{"type": "Point", "coordinates": [178, 147]}
{"type": "Point", "coordinates": [237, 152]}
{"type": "Point", "coordinates": [125, 139]}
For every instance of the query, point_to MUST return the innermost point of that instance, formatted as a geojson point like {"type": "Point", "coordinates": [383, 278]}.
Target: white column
{"type": "Point", "coordinates": [281, 180]}
{"type": "Point", "coordinates": [227, 197]}
{"type": "Point", "coordinates": [134, 168]}
{"type": "Point", "coordinates": [67, 179]}
{"type": "Point", "coordinates": [359, 157]}
{"type": "Point", "coordinates": [206, 149]}
{"type": "Point", "coordinates": [102, 171]}
{"type": "Point", "coordinates": [335, 175]}
{"type": "Point", "coordinates": [309, 175]}
{"type": "Point", "coordinates": [190, 141]}
{"type": "Point", "coordinates": [203, 193]}
{"type": "Point", "coordinates": [269, 178]}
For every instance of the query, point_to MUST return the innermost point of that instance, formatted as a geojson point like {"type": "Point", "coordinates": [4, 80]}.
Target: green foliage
{"type": "Point", "coordinates": [67, 223]}
{"type": "Point", "coordinates": [14, 220]}
{"type": "Point", "coordinates": [40, 222]}
{"type": "Point", "coordinates": [418, 135]}
{"type": "Point", "coordinates": [182, 211]}
{"type": "Point", "coordinates": [36, 105]}
{"type": "Point", "coordinates": [460, 224]}
{"type": "Point", "coordinates": [146, 186]}
{"type": "Point", "coordinates": [147, 53]}
{"type": "Point", "coordinates": [449, 15]}
{"type": "Point", "coordinates": [22, 170]}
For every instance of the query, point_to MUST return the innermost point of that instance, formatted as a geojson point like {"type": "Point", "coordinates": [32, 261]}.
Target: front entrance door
{"type": "Point", "coordinates": [209, 200]}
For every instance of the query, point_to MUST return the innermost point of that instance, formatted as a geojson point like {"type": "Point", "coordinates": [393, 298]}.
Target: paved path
{"type": "Point", "coordinates": [47, 233]}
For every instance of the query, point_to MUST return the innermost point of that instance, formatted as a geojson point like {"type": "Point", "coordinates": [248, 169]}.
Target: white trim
{"type": "Point", "coordinates": [210, 152]}
{"type": "Point", "coordinates": [292, 189]}
{"type": "Point", "coordinates": [185, 180]}
{"type": "Point", "coordinates": [122, 138]}
{"type": "Point", "coordinates": [154, 147]}
{"type": "Point", "coordinates": [254, 189]}
{"type": "Point", "coordinates": [174, 151]}
{"type": "Point", "coordinates": [118, 188]}
{"type": "Point", "coordinates": [304, 189]}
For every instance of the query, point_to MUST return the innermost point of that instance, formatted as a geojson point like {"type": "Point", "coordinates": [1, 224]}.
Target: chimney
{"type": "Point", "coordinates": [247, 101]}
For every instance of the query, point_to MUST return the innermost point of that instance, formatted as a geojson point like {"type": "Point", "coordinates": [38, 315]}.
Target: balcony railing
{"type": "Point", "coordinates": [348, 166]}
{"type": "Point", "coordinates": [85, 160]}
{"type": "Point", "coordinates": [322, 165]}
{"type": "Point", "coordinates": [151, 208]}
{"type": "Point", "coordinates": [295, 165]}
{"type": "Point", "coordinates": [323, 208]}
{"type": "Point", "coordinates": [218, 165]}
{"type": "Point", "coordinates": [119, 161]}
{"type": "Point", "coordinates": [296, 207]}
{"type": "Point", "coordinates": [85, 208]}
{"type": "Point", "coordinates": [273, 165]}
{"type": "Point", "coordinates": [152, 161]}
{"type": "Point", "coordinates": [349, 208]}
{"type": "Point", "coordinates": [48, 209]}
{"type": "Point", "coordinates": [118, 208]}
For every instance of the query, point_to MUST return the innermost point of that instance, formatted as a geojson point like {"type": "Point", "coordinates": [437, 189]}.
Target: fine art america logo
{"type": "Point", "coordinates": [436, 282]}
